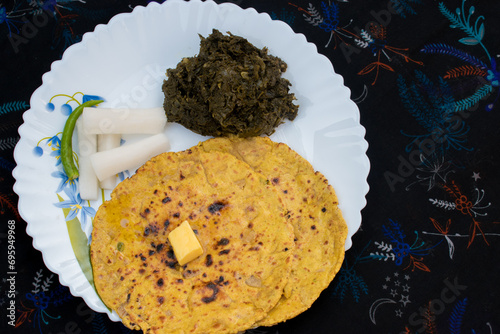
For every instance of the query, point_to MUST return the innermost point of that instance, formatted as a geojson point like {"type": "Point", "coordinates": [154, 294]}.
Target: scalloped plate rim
{"type": "Point", "coordinates": [102, 28]}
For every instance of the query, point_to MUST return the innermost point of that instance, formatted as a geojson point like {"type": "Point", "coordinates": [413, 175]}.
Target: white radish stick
{"type": "Point", "coordinates": [106, 142]}
{"type": "Point", "coordinates": [128, 156]}
{"type": "Point", "coordinates": [124, 120]}
{"type": "Point", "coordinates": [87, 180]}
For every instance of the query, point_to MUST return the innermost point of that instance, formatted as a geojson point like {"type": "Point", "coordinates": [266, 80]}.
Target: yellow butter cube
{"type": "Point", "coordinates": [185, 244]}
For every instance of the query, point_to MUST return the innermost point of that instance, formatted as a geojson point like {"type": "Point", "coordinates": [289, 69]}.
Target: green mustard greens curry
{"type": "Point", "coordinates": [230, 88]}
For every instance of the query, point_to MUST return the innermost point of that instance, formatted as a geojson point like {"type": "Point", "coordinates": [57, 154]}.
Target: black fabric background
{"type": "Point", "coordinates": [370, 294]}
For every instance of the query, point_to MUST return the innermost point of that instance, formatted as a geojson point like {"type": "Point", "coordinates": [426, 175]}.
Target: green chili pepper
{"type": "Point", "coordinates": [67, 139]}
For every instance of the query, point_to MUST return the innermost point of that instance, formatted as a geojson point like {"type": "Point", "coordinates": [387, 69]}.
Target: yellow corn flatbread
{"type": "Point", "coordinates": [239, 219]}
{"type": "Point", "coordinates": [312, 209]}
{"type": "Point", "coordinates": [272, 234]}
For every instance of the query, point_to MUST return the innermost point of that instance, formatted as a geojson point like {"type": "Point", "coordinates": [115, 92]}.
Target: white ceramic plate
{"type": "Point", "coordinates": [124, 62]}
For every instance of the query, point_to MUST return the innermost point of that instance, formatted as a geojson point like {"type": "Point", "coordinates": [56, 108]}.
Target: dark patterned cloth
{"type": "Point", "coordinates": [426, 79]}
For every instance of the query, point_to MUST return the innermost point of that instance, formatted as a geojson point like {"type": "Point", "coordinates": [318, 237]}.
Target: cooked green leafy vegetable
{"type": "Point", "coordinates": [230, 88]}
